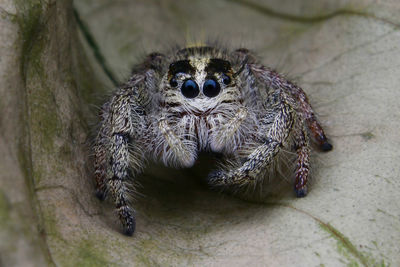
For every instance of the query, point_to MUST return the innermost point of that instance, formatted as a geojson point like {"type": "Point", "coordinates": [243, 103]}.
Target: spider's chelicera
{"type": "Point", "coordinates": [202, 99]}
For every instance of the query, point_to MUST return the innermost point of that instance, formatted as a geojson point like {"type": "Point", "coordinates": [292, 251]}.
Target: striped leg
{"type": "Point", "coordinates": [100, 164]}
{"type": "Point", "coordinates": [302, 164]}
{"type": "Point", "coordinates": [274, 80]}
{"type": "Point", "coordinates": [262, 156]}
{"type": "Point", "coordinates": [118, 184]}
{"type": "Point", "coordinates": [113, 158]}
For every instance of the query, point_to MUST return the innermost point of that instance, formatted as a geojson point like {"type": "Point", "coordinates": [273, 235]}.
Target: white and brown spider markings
{"type": "Point", "coordinates": [202, 99]}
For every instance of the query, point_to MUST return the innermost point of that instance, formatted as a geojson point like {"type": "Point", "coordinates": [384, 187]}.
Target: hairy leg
{"type": "Point", "coordinates": [113, 157]}
{"type": "Point", "coordinates": [263, 155]}
{"type": "Point", "coordinates": [119, 147]}
{"type": "Point", "coordinates": [118, 180]}
{"type": "Point", "coordinates": [227, 131]}
{"type": "Point", "coordinates": [274, 80]}
{"type": "Point", "coordinates": [100, 163]}
{"type": "Point", "coordinates": [182, 154]}
{"type": "Point", "coordinates": [302, 163]}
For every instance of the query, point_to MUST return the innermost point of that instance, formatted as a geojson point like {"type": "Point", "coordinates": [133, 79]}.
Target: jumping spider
{"type": "Point", "coordinates": [202, 99]}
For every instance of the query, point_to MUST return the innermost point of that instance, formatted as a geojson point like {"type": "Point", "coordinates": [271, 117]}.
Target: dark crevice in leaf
{"type": "Point", "coordinates": [311, 19]}
{"type": "Point", "coordinates": [95, 48]}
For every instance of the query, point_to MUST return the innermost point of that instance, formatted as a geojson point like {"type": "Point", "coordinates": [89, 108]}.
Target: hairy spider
{"type": "Point", "coordinates": [202, 99]}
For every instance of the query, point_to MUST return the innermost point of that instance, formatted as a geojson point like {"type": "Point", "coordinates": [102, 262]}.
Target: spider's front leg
{"type": "Point", "coordinates": [263, 155]}
{"type": "Point", "coordinates": [276, 81]}
{"type": "Point", "coordinates": [119, 131]}
{"type": "Point", "coordinates": [119, 147]}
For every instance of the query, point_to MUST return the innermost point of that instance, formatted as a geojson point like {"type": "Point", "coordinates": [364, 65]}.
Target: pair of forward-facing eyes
{"type": "Point", "coordinates": [211, 86]}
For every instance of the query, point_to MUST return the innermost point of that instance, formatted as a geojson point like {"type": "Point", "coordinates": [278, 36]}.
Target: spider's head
{"type": "Point", "coordinates": [200, 79]}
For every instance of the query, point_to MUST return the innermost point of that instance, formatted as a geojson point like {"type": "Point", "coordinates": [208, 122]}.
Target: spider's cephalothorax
{"type": "Point", "coordinates": [202, 99]}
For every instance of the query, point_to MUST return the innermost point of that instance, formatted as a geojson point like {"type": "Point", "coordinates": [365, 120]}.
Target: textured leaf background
{"type": "Point", "coordinates": [345, 54]}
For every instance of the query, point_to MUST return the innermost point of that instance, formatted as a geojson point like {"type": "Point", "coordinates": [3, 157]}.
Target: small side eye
{"type": "Point", "coordinates": [190, 89]}
{"type": "Point", "coordinates": [173, 82]}
{"type": "Point", "coordinates": [226, 79]}
{"type": "Point", "coordinates": [211, 88]}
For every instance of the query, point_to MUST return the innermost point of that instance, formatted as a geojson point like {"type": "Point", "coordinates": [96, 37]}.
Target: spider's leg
{"type": "Point", "coordinates": [248, 172]}
{"type": "Point", "coordinates": [305, 108]}
{"type": "Point", "coordinates": [119, 152]}
{"type": "Point", "coordinates": [263, 155]}
{"type": "Point", "coordinates": [274, 80]}
{"type": "Point", "coordinates": [117, 182]}
{"type": "Point", "coordinates": [318, 133]}
{"type": "Point", "coordinates": [100, 163]}
{"type": "Point", "coordinates": [120, 127]}
{"type": "Point", "coordinates": [302, 163]}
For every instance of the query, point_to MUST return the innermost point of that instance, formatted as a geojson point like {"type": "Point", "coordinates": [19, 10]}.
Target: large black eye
{"type": "Point", "coordinates": [211, 88]}
{"type": "Point", "coordinates": [190, 89]}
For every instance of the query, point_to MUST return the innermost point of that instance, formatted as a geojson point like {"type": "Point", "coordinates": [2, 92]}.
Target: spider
{"type": "Point", "coordinates": [198, 99]}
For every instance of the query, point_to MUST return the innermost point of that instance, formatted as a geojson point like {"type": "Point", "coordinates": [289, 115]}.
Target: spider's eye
{"type": "Point", "coordinates": [226, 79]}
{"type": "Point", "coordinates": [190, 89]}
{"type": "Point", "coordinates": [211, 88]}
{"type": "Point", "coordinates": [173, 82]}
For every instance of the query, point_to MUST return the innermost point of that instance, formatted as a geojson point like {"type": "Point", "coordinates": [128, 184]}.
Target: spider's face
{"type": "Point", "coordinates": [200, 83]}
